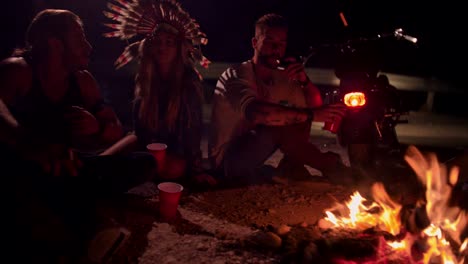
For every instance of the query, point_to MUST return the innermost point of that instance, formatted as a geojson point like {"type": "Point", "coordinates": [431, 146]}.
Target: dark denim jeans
{"type": "Point", "coordinates": [245, 156]}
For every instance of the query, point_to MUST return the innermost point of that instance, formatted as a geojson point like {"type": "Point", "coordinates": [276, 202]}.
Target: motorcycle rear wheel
{"type": "Point", "coordinates": [361, 155]}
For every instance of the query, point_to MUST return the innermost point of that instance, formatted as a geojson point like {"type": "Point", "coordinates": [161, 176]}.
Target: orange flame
{"type": "Point", "coordinates": [446, 221]}
{"type": "Point", "coordinates": [383, 213]}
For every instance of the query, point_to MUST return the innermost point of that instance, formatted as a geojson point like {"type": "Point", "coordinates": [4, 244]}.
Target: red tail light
{"type": "Point", "coordinates": [355, 99]}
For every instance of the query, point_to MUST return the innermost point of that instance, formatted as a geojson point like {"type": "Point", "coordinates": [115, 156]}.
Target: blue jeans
{"type": "Point", "coordinates": [245, 156]}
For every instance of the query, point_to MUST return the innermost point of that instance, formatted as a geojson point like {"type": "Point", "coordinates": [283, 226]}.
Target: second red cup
{"type": "Point", "coordinates": [332, 126]}
{"type": "Point", "coordinates": [158, 150]}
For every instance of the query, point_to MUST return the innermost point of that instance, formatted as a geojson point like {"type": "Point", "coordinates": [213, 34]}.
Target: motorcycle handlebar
{"type": "Point", "coordinates": [348, 45]}
{"type": "Point", "coordinates": [397, 114]}
{"type": "Point", "coordinates": [399, 34]}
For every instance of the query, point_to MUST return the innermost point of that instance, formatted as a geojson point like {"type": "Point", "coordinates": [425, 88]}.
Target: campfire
{"type": "Point", "coordinates": [431, 231]}
{"type": "Point", "coordinates": [425, 223]}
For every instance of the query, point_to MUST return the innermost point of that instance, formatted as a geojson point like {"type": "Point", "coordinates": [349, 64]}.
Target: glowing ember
{"type": "Point", "coordinates": [439, 242]}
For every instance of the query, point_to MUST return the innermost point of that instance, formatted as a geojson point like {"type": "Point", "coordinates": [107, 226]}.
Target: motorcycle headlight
{"type": "Point", "coordinates": [355, 99]}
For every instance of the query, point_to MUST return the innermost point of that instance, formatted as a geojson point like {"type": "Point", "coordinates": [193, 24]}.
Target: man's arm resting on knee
{"type": "Point", "coordinates": [269, 114]}
{"type": "Point", "coordinates": [111, 127]}
{"type": "Point", "coordinates": [127, 143]}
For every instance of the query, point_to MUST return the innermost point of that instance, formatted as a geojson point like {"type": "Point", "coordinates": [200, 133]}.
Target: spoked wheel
{"type": "Point", "coordinates": [362, 161]}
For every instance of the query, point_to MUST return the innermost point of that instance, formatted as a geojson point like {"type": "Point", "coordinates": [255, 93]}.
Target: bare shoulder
{"type": "Point", "coordinates": [89, 87]}
{"type": "Point", "coordinates": [15, 77]}
{"type": "Point", "coordinates": [15, 66]}
{"type": "Point", "coordinates": [85, 78]}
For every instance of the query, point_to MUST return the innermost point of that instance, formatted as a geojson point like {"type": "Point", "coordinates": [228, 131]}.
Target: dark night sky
{"type": "Point", "coordinates": [229, 26]}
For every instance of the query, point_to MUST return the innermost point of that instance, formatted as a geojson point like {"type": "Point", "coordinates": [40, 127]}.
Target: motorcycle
{"type": "Point", "coordinates": [375, 107]}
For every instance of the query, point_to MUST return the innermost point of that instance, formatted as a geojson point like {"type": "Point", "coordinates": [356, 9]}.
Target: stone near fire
{"type": "Point", "coordinates": [283, 230]}
{"type": "Point", "coordinates": [272, 211]}
{"type": "Point", "coordinates": [324, 224]}
{"type": "Point", "coordinates": [267, 240]}
{"type": "Point", "coordinates": [299, 243]}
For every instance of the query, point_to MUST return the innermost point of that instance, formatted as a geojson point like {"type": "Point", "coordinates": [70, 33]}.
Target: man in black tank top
{"type": "Point", "coordinates": [51, 110]}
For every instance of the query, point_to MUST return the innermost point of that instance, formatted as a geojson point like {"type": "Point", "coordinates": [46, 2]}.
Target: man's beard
{"type": "Point", "coordinates": [269, 61]}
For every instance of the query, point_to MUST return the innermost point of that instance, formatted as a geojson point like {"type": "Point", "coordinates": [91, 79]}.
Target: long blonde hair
{"type": "Point", "coordinates": [149, 86]}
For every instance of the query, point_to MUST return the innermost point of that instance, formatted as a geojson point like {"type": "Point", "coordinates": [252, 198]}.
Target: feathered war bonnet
{"type": "Point", "coordinates": [144, 17]}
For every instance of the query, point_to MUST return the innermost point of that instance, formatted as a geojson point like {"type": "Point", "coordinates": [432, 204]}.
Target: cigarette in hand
{"type": "Point", "coordinates": [343, 19]}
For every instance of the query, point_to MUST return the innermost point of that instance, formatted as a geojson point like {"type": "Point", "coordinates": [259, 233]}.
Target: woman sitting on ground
{"type": "Point", "coordinates": [168, 92]}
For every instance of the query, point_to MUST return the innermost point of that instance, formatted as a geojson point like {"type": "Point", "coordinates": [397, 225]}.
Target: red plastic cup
{"type": "Point", "coordinates": [332, 126]}
{"type": "Point", "coordinates": [169, 196]}
{"type": "Point", "coordinates": [159, 153]}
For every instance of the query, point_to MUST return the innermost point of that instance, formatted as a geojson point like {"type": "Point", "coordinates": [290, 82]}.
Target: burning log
{"type": "Point", "coordinates": [340, 246]}
{"type": "Point", "coordinates": [352, 248]}
{"type": "Point", "coordinates": [414, 218]}
{"type": "Point", "coordinates": [380, 230]}
{"type": "Point", "coordinates": [297, 240]}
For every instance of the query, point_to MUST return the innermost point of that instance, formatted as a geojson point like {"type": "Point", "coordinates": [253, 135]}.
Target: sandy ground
{"type": "Point", "coordinates": [242, 225]}
{"type": "Point", "coordinates": [219, 225]}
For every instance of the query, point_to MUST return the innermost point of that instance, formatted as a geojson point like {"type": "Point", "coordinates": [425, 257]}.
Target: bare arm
{"type": "Point", "coordinates": [125, 144]}
{"type": "Point", "coordinates": [15, 79]}
{"type": "Point", "coordinates": [9, 127]}
{"type": "Point", "coordinates": [15, 82]}
{"type": "Point", "coordinates": [239, 93]}
{"type": "Point", "coordinates": [269, 114]}
{"type": "Point", "coordinates": [111, 127]}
